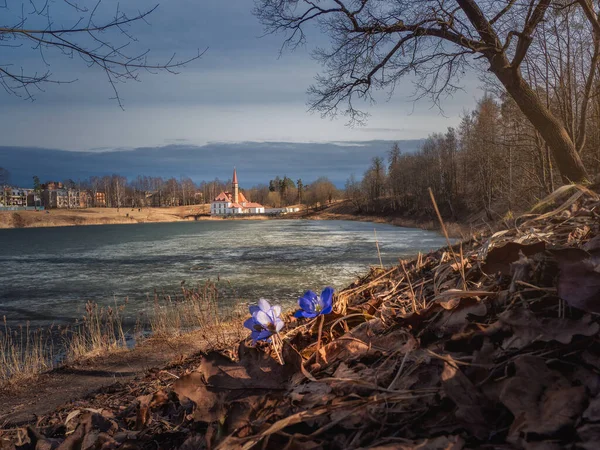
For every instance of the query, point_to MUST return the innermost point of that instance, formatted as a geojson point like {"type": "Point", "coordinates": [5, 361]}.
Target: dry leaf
{"type": "Point", "coordinates": [541, 400]}
{"type": "Point", "coordinates": [499, 258]}
{"type": "Point", "coordinates": [579, 280]}
{"type": "Point", "coordinates": [527, 328]}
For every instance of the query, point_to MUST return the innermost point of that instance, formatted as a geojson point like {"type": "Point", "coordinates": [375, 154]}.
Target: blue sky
{"type": "Point", "coordinates": [240, 90]}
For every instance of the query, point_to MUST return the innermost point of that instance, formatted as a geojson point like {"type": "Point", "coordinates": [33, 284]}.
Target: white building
{"type": "Point", "coordinates": [227, 203]}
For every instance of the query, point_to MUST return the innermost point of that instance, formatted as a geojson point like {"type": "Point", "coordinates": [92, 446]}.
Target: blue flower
{"type": "Point", "coordinates": [313, 305]}
{"type": "Point", "coordinates": [265, 320]}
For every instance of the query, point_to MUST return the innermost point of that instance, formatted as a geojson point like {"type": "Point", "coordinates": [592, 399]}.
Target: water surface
{"type": "Point", "coordinates": [48, 274]}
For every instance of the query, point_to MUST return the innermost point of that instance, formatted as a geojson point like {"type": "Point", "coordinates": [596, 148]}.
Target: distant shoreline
{"type": "Point", "coordinates": [122, 216]}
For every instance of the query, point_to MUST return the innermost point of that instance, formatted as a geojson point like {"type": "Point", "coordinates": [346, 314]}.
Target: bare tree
{"type": "Point", "coordinates": [375, 43]}
{"type": "Point", "coordinates": [98, 39]}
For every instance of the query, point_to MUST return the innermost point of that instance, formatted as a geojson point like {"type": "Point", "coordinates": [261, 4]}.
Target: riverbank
{"type": "Point", "coordinates": [432, 353]}
{"type": "Point", "coordinates": [97, 216]}
{"type": "Point", "coordinates": [342, 210]}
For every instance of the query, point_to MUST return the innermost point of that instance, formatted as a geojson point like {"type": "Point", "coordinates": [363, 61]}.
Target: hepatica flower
{"type": "Point", "coordinates": [313, 305]}
{"type": "Point", "coordinates": [265, 320]}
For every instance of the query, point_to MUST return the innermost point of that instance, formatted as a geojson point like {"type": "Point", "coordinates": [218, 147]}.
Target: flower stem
{"type": "Point", "coordinates": [319, 337]}
{"type": "Point", "coordinates": [278, 347]}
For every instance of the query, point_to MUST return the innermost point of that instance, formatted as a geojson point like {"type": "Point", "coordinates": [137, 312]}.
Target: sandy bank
{"type": "Point", "coordinates": [97, 216]}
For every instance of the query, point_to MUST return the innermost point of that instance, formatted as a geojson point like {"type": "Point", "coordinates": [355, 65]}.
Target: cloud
{"type": "Point", "coordinates": [240, 90]}
{"type": "Point", "coordinates": [256, 162]}
{"type": "Point", "coordinates": [381, 130]}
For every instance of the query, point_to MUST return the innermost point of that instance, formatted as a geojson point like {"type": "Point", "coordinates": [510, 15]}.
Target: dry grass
{"type": "Point", "coordinates": [26, 353]}
{"type": "Point", "coordinates": [100, 331]}
{"type": "Point", "coordinates": [197, 308]}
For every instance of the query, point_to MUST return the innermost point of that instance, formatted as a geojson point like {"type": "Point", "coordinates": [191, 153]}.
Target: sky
{"type": "Point", "coordinates": [240, 90]}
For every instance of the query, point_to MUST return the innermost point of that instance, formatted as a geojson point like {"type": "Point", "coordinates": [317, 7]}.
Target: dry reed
{"type": "Point", "coordinates": [25, 353]}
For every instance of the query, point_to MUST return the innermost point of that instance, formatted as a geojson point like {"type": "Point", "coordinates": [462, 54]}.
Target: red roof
{"type": "Point", "coordinates": [228, 197]}
{"type": "Point", "coordinates": [253, 205]}
{"type": "Point", "coordinates": [223, 197]}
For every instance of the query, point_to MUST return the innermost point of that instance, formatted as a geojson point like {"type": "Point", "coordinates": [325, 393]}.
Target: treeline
{"type": "Point", "coordinates": [143, 191]}
{"type": "Point", "coordinates": [283, 191]}
{"type": "Point", "coordinates": [494, 162]}
{"type": "Point", "coordinates": [117, 191]}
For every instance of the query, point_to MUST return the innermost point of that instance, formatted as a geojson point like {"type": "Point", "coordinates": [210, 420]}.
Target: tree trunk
{"type": "Point", "coordinates": [550, 128]}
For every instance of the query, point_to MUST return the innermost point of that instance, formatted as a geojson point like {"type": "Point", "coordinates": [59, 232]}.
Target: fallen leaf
{"type": "Point", "coordinates": [527, 328]}
{"type": "Point", "coordinates": [471, 406]}
{"type": "Point", "coordinates": [437, 443]}
{"type": "Point", "coordinates": [210, 405]}
{"type": "Point", "coordinates": [579, 280]}
{"type": "Point", "coordinates": [499, 258]}
{"type": "Point", "coordinates": [592, 413]}
{"type": "Point", "coordinates": [453, 321]}
{"type": "Point", "coordinates": [593, 245]}
{"type": "Point", "coordinates": [451, 298]}
{"type": "Point", "coordinates": [541, 400]}
{"type": "Point", "coordinates": [367, 338]}
{"type": "Point", "coordinates": [220, 380]}
{"type": "Point", "coordinates": [589, 435]}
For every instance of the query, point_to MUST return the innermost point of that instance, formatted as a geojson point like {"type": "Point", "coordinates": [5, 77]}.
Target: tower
{"type": "Point", "coordinates": [236, 187]}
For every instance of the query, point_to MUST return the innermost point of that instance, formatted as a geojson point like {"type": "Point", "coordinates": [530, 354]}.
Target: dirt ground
{"type": "Point", "coordinates": [23, 403]}
{"type": "Point", "coordinates": [99, 216]}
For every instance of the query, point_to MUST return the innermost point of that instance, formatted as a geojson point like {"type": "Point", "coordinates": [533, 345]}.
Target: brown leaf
{"type": "Point", "coordinates": [452, 298]}
{"type": "Point", "coordinates": [499, 258]}
{"type": "Point", "coordinates": [210, 406]}
{"type": "Point", "coordinates": [453, 321]}
{"type": "Point", "coordinates": [472, 406]}
{"type": "Point", "coordinates": [312, 394]}
{"type": "Point", "coordinates": [367, 338]}
{"type": "Point", "coordinates": [541, 400]}
{"type": "Point", "coordinates": [194, 442]}
{"type": "Point", "coordinates": [579, 280]}
{"type": "Point", "coordinates": [220, 380]}
{"type": "Point", "coordinates": [527, 328]}
{"type": "Point", "coordinates": [589, 435]}
{"type": "Point", "coordinates": [437, 443]}
{"type": "Point", "coordinates": [592, 413]}
{"type": "Point", "coordinates": [593, 245]}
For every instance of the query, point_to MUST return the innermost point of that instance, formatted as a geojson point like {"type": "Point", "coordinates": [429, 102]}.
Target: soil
{"type": "Point", "coordinates": [23, 403]}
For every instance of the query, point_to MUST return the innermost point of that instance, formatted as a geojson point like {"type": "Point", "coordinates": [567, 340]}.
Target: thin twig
{"type": "Point", "coordinates": [399, 371]}
{"type": "Point", "coordinates": [378, 252]}
{"type": "Point", "coordinates": [414, 299]}
{"type": "Point", "coordinates": [445, 231]}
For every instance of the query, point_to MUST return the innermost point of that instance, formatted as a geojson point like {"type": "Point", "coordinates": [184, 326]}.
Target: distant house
{"type": "Point", "coordinates": [100, 199]}
{"type": "Point", "coordinates": [14, 196]}
{"type": "Point", "coordinates": [54, 195]}
{"type": "Point", "coordinates": [227, 203]}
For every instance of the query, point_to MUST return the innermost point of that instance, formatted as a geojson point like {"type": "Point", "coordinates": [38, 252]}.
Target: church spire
{"type": "Point", "coordinates": [236, 187]}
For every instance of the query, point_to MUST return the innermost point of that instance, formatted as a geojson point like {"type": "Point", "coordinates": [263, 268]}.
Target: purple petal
{"type": "Point", "coordinates": [276, 311]}
{"type": "Point", "coordinates": [264, 305]}
{"type": "Point", "coordinates": [279, 325]}
{"type": "Point", "coordinates": [249, 323]}
{"type": "Point", "coordinates": [327, 309]}
{"type": "Point", "coordinates": [326, 300]}
{"type": "Point", "coordinates": [308, 301]}
{"type": "Point", "coordinates": [253, 309]}
{"type": "Point", "coordinates": [263, 318]}
{"type": "Point", "coordinates": [260, 335]}
{"type": "Point", "coordinates": [309, 315]}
